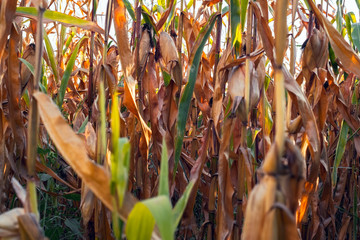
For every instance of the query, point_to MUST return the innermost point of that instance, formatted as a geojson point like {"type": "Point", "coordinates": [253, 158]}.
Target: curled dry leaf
{"type": "Point", "coordinates": [42, 168]}
{"type": "Point", "coordinates": [129, 102]}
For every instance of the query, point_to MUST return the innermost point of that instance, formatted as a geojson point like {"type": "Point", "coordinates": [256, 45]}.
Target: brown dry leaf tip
{"type": "Point", "coordinates": [25, 73]}
{"type": "Point", "coordinates": [168, 50]}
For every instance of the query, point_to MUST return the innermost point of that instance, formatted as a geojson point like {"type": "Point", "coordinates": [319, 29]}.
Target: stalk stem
{"type": "Point", "coordinates": [34, 118]}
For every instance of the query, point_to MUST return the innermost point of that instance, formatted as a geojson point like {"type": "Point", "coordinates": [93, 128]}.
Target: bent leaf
{"type": "Point", "coordinates": [50, 52]}
{"type": "Point", "coordinates": [67, 20]}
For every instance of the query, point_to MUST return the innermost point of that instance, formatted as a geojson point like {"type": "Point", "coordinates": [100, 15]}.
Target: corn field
{"type": "Point", "coordinates": [215, 119]}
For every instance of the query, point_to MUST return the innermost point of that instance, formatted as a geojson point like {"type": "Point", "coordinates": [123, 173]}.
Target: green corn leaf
{"type": "Point", "coordinates": [188, 92]}
{"type": "Point", "coordinates": [236, 28]}
{"type": "Point", "coordinates": [140, 223]}
{"type": "Point", "coordinates": [28, 65]}
{"type": "Point", "coordinates": [340, 149]}
{"type": "Point", "coordinates": [67, 72]}
{"type": "Point", "coordinates": [358, 3]}
{"type": "Point", "coordinates": [181, 204]}
{"type": "Point", "coordinates": [189, 5]}
{"type": "Point", "coordinates": [243, 10]}
{"type": "Point", "coordinates": [338, 17]}
{"type": "Point", "coordinates": [50, 52]}
{"type": "Point", "coordinates": [68, 41]}
{"type": "Point", "coordinates": [355, 34]}
{"type": "Point", "coordinates": [62, 35]}
{"type": "Point", "coordinates": [160, 208]}
{"type": "Point", "coordinates": [130, 9]}
{"type": "Point", "coordinates": [31, 68]}
{"type": "Point", "coordinates": [123, 168]}
{"type": "Point", "coordinates": [164, 172]}
{"type": "Point", "coordinates": [83, 125]}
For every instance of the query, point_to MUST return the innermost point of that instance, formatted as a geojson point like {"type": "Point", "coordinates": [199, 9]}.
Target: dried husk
{"type": "Point", "coordinates": [144, 48]}
{"type": "Point", "coordinates": [168, 50]}
{"type": "Point", "coordinates": [316, 53]}
{"type": "Point", "coordinates": [270, 211]}
{"type": "Point", "coordinates": [236, 87]}
{"type": "Point", "coordinates": [9, 225]}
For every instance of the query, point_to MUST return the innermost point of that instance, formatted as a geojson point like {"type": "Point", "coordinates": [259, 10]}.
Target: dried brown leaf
{"type": "Point", "coordinates": [7, 14]}
{"type": "Point", "coordinates": [72, 149]}
{"type": "Point", "coordinates": [121, 31]}
{"type": "Point", "coordinates": [129, 102]}
{"type": "Point", "coordinates": [164, 16]}
{"type": "Point", "coordinates": [30, 228]}
{"type": "Point", "coordinates": [87, 203]}
{"type": "Point", "coordinates": [225, 216]}
{"type": "Point", "coordinates": [13, 86]}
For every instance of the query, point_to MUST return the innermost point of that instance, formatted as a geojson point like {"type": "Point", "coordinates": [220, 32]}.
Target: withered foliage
{"type": "Point", "coordinates": [263, 169]}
